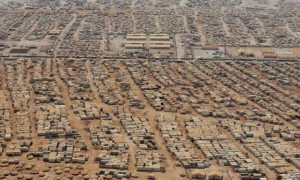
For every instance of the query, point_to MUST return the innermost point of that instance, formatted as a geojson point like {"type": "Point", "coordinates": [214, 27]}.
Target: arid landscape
{"type": "Point", "coordinates": [158, 89]}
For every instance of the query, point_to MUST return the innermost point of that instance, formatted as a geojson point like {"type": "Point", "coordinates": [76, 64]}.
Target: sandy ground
{"type": "Point", "coordinates": [92, 167]}
{"type": "Point", "coordinates": [172, 171]}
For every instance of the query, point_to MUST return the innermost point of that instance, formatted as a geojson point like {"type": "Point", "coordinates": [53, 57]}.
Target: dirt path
{"type": "Point", "coordinates": [75, 122]}
{"type": "Point", "coordinates": [171, 169]}
{"type": "Point", "coordinates": [226, 28]}
{"type": "Point", "coordinates": [38, 140]}
{"type": "Point", "coordinates": [132, 148]}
